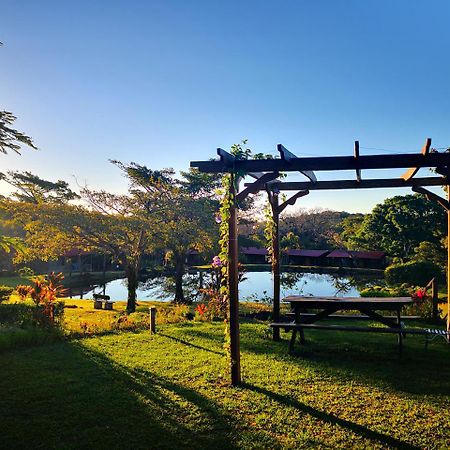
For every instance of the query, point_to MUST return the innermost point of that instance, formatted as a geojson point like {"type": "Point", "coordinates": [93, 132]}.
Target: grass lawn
{"type": "Point", "coordinates": [168, 391]}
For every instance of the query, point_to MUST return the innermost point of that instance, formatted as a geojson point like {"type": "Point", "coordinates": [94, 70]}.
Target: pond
{"type": "Point", "coordinates": [257, 286]}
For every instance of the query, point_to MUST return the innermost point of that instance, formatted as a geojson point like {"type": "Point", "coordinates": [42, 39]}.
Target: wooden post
{"type": "Point", "coordinates": [276, 265]}
{"type": "Point", "coordinates": [233, 280]}
{"type": "Point", "coordinates": [448, 261]}
{"type": "Point", "coordinates": [152, 311]}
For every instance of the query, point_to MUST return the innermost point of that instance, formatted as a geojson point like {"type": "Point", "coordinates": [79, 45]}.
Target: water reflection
{"type": "Point", "coordinates": [256, 286]}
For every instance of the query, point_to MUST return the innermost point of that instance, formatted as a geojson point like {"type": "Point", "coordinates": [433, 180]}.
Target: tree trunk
{"type": "Point", "coordinates": [132, 280]}
{"type": "Point", "coordinates": [179, 272]}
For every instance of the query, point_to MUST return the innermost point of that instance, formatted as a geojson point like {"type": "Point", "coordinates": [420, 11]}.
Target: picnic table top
{"type": "Point", "coordinates": [347, 301]}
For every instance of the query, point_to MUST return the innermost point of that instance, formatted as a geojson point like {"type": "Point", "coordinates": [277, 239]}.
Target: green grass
{"type": "Point", "coordinates": [168, 391]}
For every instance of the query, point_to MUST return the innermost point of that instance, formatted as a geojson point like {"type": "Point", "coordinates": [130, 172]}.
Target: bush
{"type": "Point", "coordinates": [17, 314]}
{"type": "Point", "coordinates": [403, 290]}
{"type": "Point", "coordinates": [413, 273]}
{"type": "Point", "coordinates": [5, 293]}
{"type": "Point", "coordinates": [24, 315]}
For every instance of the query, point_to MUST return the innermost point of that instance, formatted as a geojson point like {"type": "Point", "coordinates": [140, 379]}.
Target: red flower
{"type": "Point", "coordinates": [201, 309]}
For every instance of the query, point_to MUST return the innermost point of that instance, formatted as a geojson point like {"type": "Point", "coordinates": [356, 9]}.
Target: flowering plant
{"type": "Point", "coordinates": [201, 309]}
{"type": "Point", "coordinates": [422, 304]}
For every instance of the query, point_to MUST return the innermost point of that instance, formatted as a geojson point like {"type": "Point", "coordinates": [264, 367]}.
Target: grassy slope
{"type": "Point", "coordinates": [133, 390]}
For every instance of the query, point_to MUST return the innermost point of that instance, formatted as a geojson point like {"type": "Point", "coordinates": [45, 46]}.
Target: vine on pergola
{"type": "Point", "coordinates": [230, 185]}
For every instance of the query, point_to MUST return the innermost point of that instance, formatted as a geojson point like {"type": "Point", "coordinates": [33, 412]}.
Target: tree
{"type": "Point", "coordinates": [315, 227]}
{"type": "Point", "coordinates": [10, 138]}
{"type": "Point", "coordinates": [111, 224]}
{"type": "Point", "coordinates": [346, 235]}
{"type": "Point", "coordinates": [400, 224]}
{"type": "Point", "coordinates": [290, 241]}
{"type": "Point", "coordinates": [32, 189]}
{"type": "Point", "coordinates": [182, 212]}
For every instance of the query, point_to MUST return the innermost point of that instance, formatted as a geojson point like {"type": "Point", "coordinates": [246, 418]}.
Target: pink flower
{"type": "Point", "coordinates": [216, 262]}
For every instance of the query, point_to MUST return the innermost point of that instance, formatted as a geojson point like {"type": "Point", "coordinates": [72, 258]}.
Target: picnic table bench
{"type": "Point", "coordinates": [327, 306]}
{"type": "Point", "coordinates": [100, 299]}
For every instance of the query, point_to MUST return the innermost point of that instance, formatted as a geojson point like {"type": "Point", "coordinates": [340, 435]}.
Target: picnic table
{"type": "Point", "coordinates": [325, 306]}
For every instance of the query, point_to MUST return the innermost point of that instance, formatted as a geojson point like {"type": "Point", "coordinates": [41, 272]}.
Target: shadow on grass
{"type": "Point", "coordinates": [364, 432]}
{"type": "Point", "coordinates": [370, 359]}
{"type": "Point", "coordinates": [69, 396]}
{"type": "Point", "coordinates": [190, 344]}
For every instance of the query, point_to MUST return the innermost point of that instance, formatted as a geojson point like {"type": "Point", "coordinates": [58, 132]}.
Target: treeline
{"type": "Point", "coordinates": [407, 228]}
{"type": "Point", "coordinates": [171, 215]}
{"type": "Point", "coordinates": [160, 213]}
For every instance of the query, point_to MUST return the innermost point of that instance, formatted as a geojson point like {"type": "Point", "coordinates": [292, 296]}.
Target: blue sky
{"type": "Point", "coordinates": [162, 83]}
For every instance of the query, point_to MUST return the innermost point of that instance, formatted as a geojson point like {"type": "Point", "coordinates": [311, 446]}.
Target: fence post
{"type": "Point", "coordinates": [152, 311]}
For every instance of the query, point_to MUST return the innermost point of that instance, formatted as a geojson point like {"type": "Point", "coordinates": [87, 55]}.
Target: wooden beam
{"type": "Point", "coordinates": [432, 197]}
{"type": "Point", "coordinates": [353, 184]}
{"type": "Point", "coordinates": [356, 154]}
{"type": "Point", "coordinates": [226, 159]}
{"type": "Point", "coordinates": [292, 200]}
{"type": "Point", "coordinates": [328, 163]}
{"type": "Point", "coordinates": [286, 155]}
{"type": "Point", "coordinates": [256, 186]}
{"type": "Point", "coordinates": [255, 175]}
{"type": "Point", "coordinates": [413, 170]}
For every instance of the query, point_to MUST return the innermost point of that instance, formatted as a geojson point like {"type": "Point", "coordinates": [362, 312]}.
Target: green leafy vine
{"type": "Point", "coordinates": [269, 231]}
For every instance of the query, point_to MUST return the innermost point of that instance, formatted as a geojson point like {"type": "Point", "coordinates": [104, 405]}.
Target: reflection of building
{"type": "Point", "coordinates": [307, 257]}
{"type": "Point", "coordinates": [346, 258]}
{"type": "Point", "coordinates": [253, 255]}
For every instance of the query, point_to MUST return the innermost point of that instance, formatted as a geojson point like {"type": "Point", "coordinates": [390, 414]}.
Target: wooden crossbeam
{"type": "Point", "coordinates": [256, 186]}
{"type": "Point", "coordinates": [354, 184]}
{"type": "Point", "coordinates": [227, 159]}
{"type": "Point", "coordinates": [321, 163]}
{"type": "Point", "coordinates": [432, 197]}
{"type": "Point", "coordinates": [286, 155]}
{"type": "Point", "coordinates": [356, 154]}
{"type": "Point", "coordinates": [255, 175]}
{"type": "Point", "coordinates": [413, 170]}
{"type": "Point", "coordinates": [292, 200]}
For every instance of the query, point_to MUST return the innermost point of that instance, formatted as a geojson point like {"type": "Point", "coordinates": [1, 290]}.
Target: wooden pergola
{"type": "Point", "coordinates": [266, 173]}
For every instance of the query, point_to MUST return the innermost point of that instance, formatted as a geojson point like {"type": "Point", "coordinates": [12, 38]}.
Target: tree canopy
{"type": "Point", "coordinates": [399, 224]}
{"type": "Point", "coordinates": [32, 189]}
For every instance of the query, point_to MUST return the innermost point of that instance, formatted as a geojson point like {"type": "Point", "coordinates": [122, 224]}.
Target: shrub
{"type": "Point", "coordinates": [23, 291]}
{"type": "Point", "coordinates": [413, 273]}
{"type": "Point", "coordinates": [44, 293]}
{"type": "Point", "coordinates": [403, 290]}
{"type": "Point", "coordinates": [24, 315]}
{"type": "Point", "coordinates": [26, 272]}
{"type": "Point", "coordinates": [17, 314]}
{"type": "Point", "coordinates": [5, 293]}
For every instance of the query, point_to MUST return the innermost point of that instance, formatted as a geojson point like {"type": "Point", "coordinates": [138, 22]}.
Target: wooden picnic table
{"type": "Point", "coordinates": [325, 306]}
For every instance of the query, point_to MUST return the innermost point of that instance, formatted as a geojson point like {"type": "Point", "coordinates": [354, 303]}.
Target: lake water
{"type": "Point", "coordinates": [256, 286]}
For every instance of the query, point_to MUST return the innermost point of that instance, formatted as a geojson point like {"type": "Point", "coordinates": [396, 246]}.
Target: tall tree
{"type": "Point", "coordinates": [182, 212]}
{"type": "Point", "coordinates": [11, 139]}
{"type": "Point", "coordinates": [399, 224]}
{"type": "Point", "coordinates": [111, 224]}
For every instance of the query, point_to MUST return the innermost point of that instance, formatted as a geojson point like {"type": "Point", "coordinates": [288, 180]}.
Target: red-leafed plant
{"type": "Point", "coordinates": [45, 292]}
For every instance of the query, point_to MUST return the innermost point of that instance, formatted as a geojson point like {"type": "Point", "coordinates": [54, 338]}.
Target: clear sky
{"type": "Point", "coordinates": [165, 82]}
